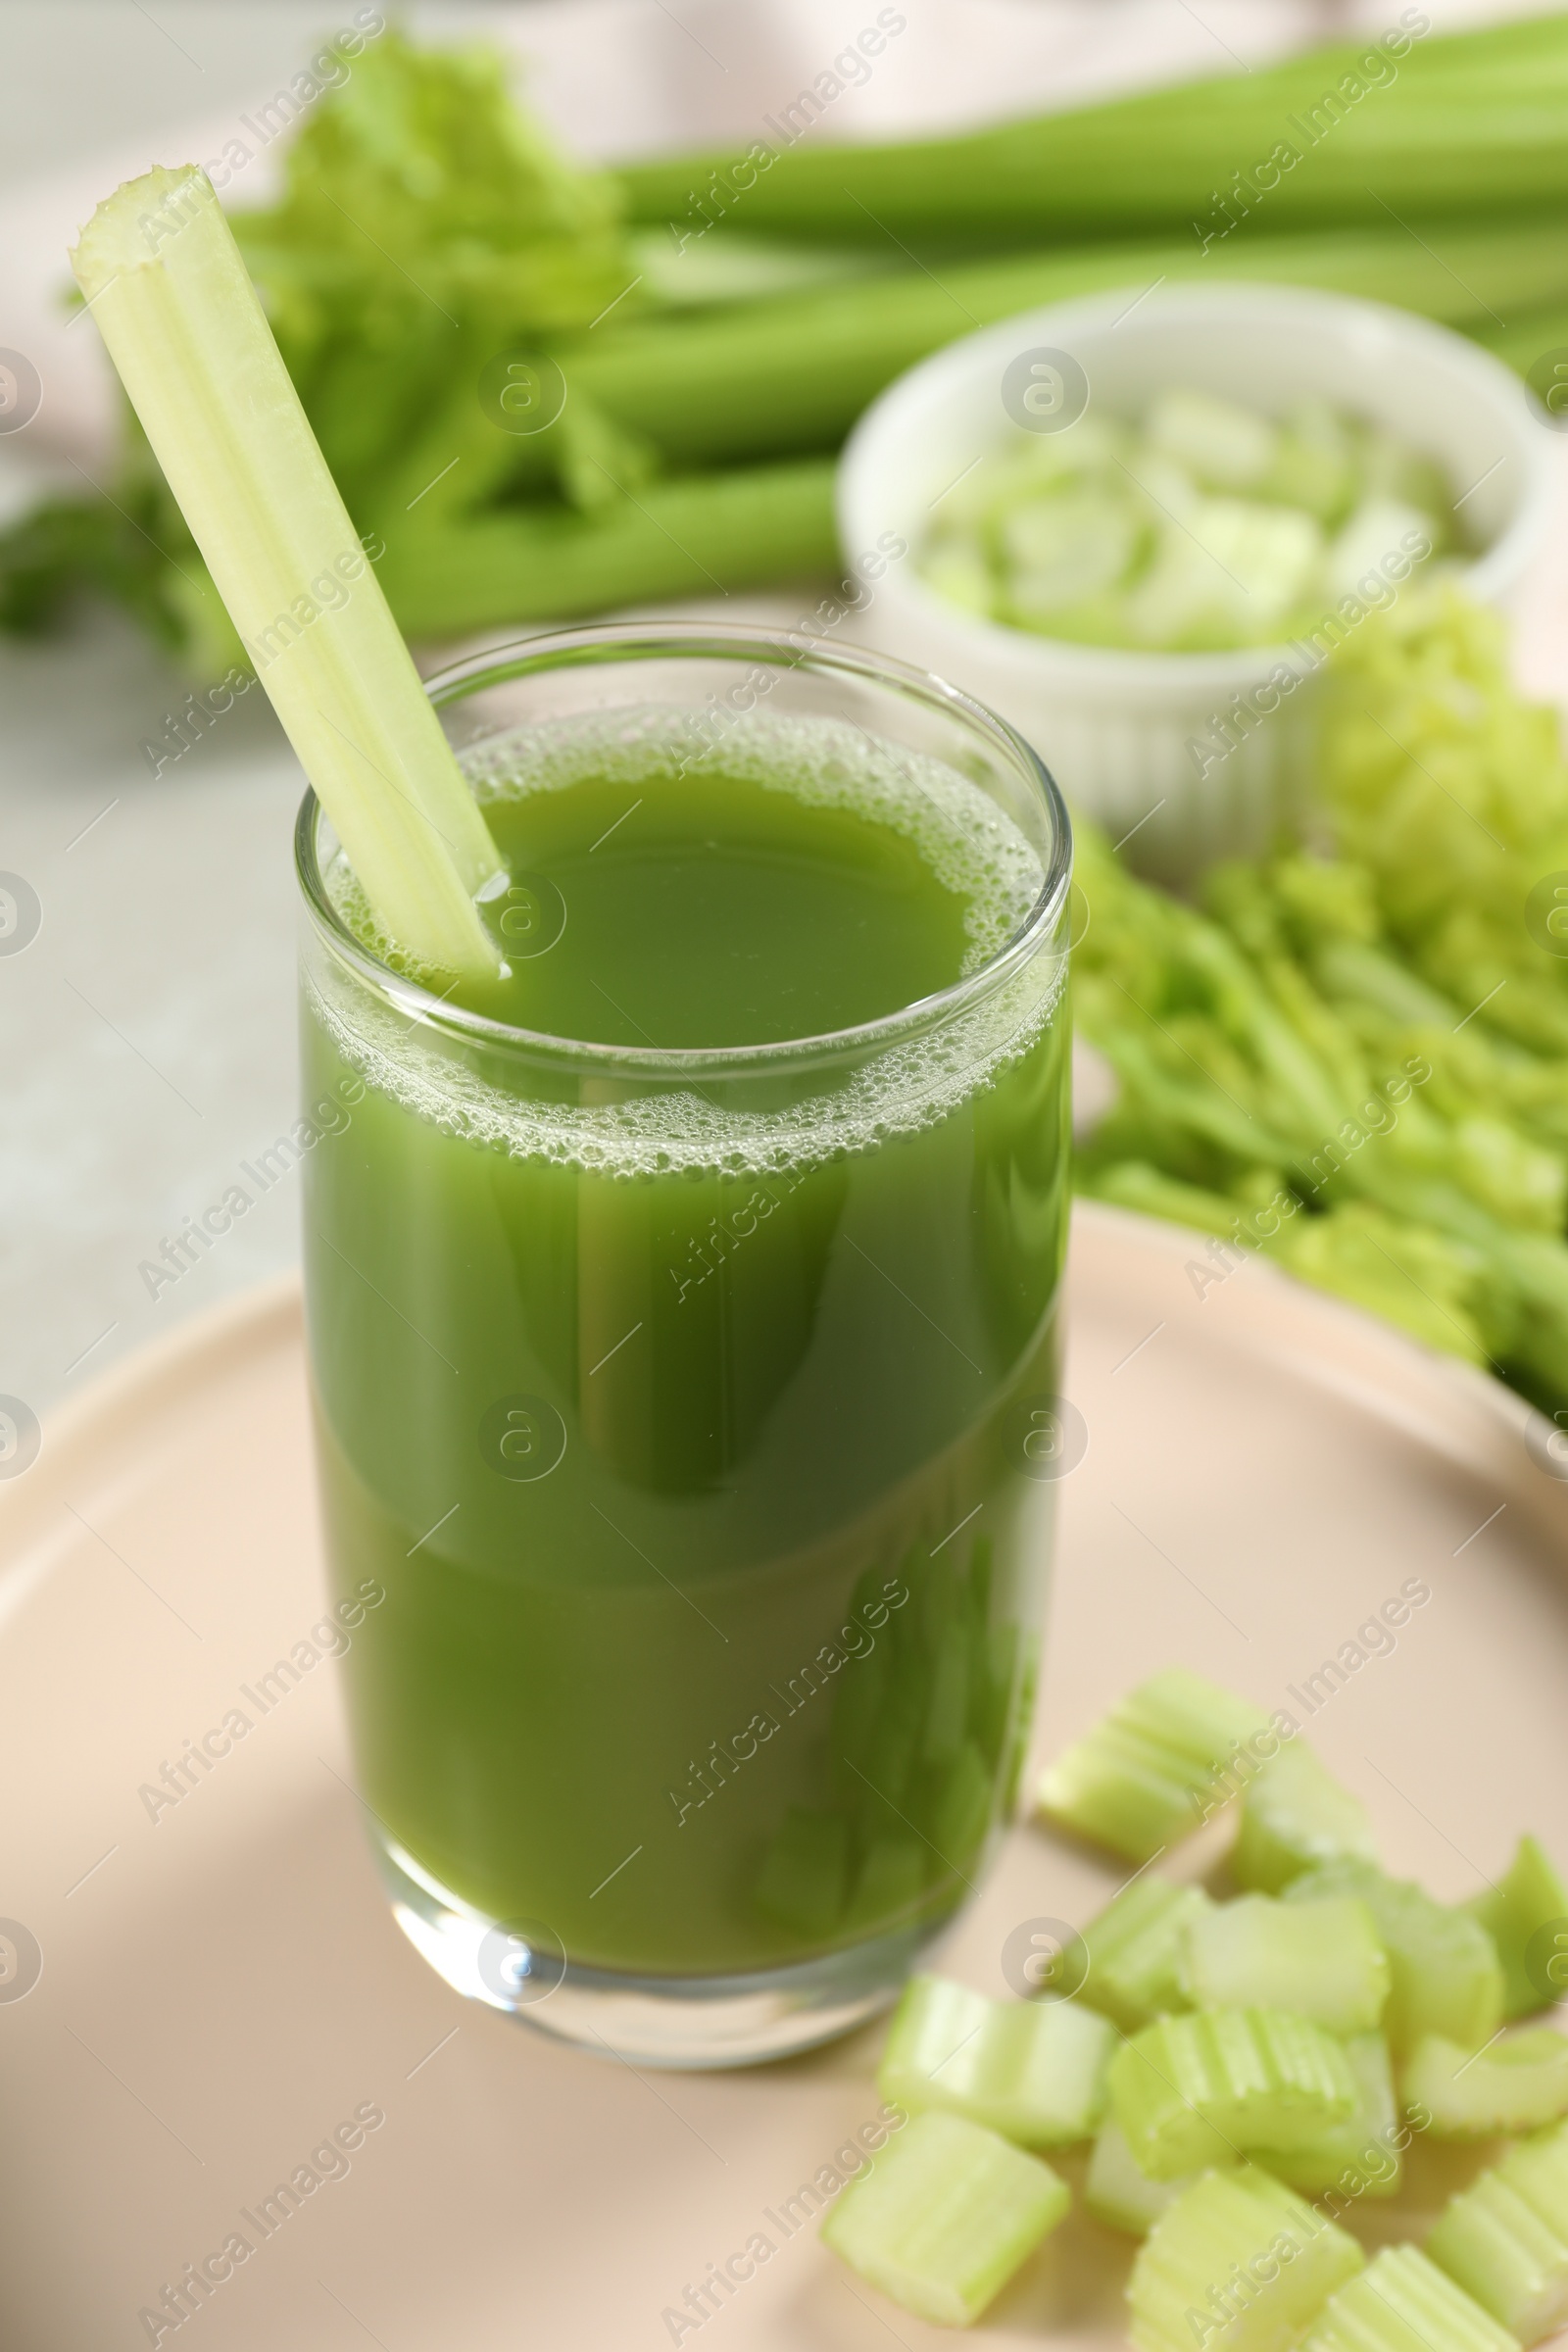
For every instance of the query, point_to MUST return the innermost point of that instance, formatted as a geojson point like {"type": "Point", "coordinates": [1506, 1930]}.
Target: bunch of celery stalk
{"type": "Point", "coordinates": [1355, 1059]}
{"type": "Point", "coordinates": [719, 322]}
{"type": "Point", "coordinates": [1248, 2069]}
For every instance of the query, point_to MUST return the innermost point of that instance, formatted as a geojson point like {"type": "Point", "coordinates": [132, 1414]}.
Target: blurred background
{"type": "Point", "coordinates": [147, 1029]}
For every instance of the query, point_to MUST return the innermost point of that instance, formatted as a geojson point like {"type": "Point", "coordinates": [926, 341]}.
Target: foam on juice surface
{"type": "Point", "coordinates": [969, 844]}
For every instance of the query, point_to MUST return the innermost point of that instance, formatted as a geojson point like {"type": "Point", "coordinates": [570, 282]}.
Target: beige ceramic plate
{"type": "Point", "coordinates": [222, 1988]}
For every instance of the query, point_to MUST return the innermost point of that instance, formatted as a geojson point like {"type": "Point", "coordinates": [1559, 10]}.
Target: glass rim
{"type": "Point", "coordinates": [786, 651]}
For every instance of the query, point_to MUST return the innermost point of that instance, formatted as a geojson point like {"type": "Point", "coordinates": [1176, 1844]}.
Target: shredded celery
{"type": "Point", "coordinates": [944, 2216]}
{"type": "Point", "coordinates": [1034, 2070]}
{"type": "Point", "coordinates": [184, 328]}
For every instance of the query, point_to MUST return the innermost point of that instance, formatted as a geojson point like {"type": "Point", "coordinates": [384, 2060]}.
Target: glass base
{"type": "Point", "coordinates": [676, 2022]}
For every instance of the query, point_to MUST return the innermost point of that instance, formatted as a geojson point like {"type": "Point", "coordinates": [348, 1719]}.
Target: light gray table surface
{"type": "Point", "coordinates": [147, 1031]}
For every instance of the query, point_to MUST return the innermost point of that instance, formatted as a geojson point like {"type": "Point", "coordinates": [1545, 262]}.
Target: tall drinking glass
{"type": "Point", "coordinates": [687, 1414]}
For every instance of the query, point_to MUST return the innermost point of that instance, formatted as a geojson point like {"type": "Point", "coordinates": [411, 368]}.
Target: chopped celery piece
{"type": "Point", "coordinates": [1361, 2158]}
{"type": "Point", "coordinates": [1034, 2070]}
{"type": "Point", "coordinates": [1238, 2264]}
{"type": "Point", "coordinates": [1134, 1951]}
{"type": "Point", "coordinates": [944, 2216]}
{"type": "Point", "coordinates": [1531, 1900]}
{"type": "Point", "coordinates": [182, 323]}
{"type": "Point", "coordinates": [1140, 1778]}
{"type": "Point", "coordinates": [1118, 2191]}
{"type": "Point", "coordinates": [1227, 447]}
{"type": "Point", "coordinates": [1515, 2085]}
{"type": "Point", "coordinates": [1504, 2239]}
{"type": "Point", "coordinates": [1322, 1960]}
{"type": "Point", "coordinates": [1293, 1815]}
{"type": "Point", "coordinates": [1403, 2303]}
{"type": "Point", "coordinates": [1190, 2092]}
{"type": "Point", "coordinates": [1446, 1977]}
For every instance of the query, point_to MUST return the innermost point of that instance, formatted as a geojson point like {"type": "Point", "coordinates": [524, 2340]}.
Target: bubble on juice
{"type": "Point", "coordinates": [971, 846]}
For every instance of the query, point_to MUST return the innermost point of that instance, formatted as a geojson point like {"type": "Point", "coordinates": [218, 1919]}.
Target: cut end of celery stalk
{"type": "Point", "coordinates": [182, 323]}
{"type": "Point", "coordinates": [1520, 1916]}
{"type": "Point", "coordinates": [1361, 2158]}
{"type": "Point", "coordinates": [1239, 2263]}
{"type": "Point", "coordinates": [1296, 1814]}
{"type": "Point", "coordinates": [1134, 1951]}
{"type": "Point", "coordinates": [1446, 1978]}
{"type": "Point", "coordinates": [944, 2216]}
{"type": "Point", "coordinates": [1190, 2092]}
{"type": "Point", "coordinates": [1156, 1767]}
{"type": "Point", "coordinates": [1034, 2070]}
{"type": "Point", "coordinates": [1504, 2239]}
{"type": "Point", "coordinates": [1403, 2303]}
{"type": "Point", "coordinates": [1516, 2085]}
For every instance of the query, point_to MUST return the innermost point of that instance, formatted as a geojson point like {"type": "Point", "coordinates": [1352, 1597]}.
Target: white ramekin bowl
{"type": "Point", "coordinates": [1118, 729]}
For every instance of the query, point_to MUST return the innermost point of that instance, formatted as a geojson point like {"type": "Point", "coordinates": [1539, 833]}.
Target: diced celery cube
{"type": "Point", "coordinates": [1446, 1976]}
{"type": "Point", "coordinates": [1134, 1950]}
{"type": "Point", "coordinates": [1403, 2303]}
{"type": "Point", "coordinates": [1293, 1815]}
{"type": "Point", "coordinates": [1497, 2244]}
{"type": "Point", "coordinates": [1228, 573]}
{"type": "Point", "coordinates": [1380, 527]}
{"type": "Point", "coordinates": [1034, 2070]}
{"type": "Point", "coordinates": [1149, 1772]}
{"type": "Point", "coordinates": [1361, 2158]}
{"type": "Point", "coordinates": [1190, 2091]}
{"type": "Point", "coordinates": [1515, 2085]}
{"type": "Point", "coordinates": [1118, 2191]}
{"type": "Point", "coordinates": [944, 2216]}
{"type": "Point", "coordinates": [1056, 551]}
{"type": "Point", "coordinates": [1531, 1900]}
{"type": "Point", "coordinates": [1238, 2264]}
{"type": "Point", "coordinates": [1322, 1960]}
{"type": "Point", "coordinates": [1228, 447]}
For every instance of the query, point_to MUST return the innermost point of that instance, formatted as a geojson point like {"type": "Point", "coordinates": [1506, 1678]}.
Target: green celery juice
{"type": "Point", "coordinates": [683, 1415]}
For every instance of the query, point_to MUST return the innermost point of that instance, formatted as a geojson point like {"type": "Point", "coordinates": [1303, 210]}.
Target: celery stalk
{"type": "Point", "coordinates": [1504, 2239]}
{"type": "Point", "coordinates": [1531, 1900]}
{"type": "Point", "coordinates": [1403, 2303]}
{"type": "Point", "coordinates": [1146, 1775]}
{"type": "Point", "coordinates": [183, 326]}
{"type": "Point", "coordinates": [1323, 1960]}
{"type": "Point", "coordinates": [1515, 2085]}
{"type": "Point", "coordinates": [1238, 2264]}
{"type": "Point", "coordinates": [944, 2216]}
{"type": "Point", "coordinates": [1190, 2092]}
{"type": "Point", "coordinates": [1034, 2070]}
{"type": "Point", "coordinates": [1294, 1815]}
{"type": "Point", "coordinates": [1118, 2191]}
{"type": "Point", "coordinates": [1134, 1950]}
{"type": "Point", "coordinates": [1446, 1977]}
{"type": "Point", "coordinates": [1361, 2158]}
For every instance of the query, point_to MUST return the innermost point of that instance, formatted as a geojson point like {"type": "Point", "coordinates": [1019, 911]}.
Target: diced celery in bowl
{"type": "Point", "coordinates": [1204, 527]}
